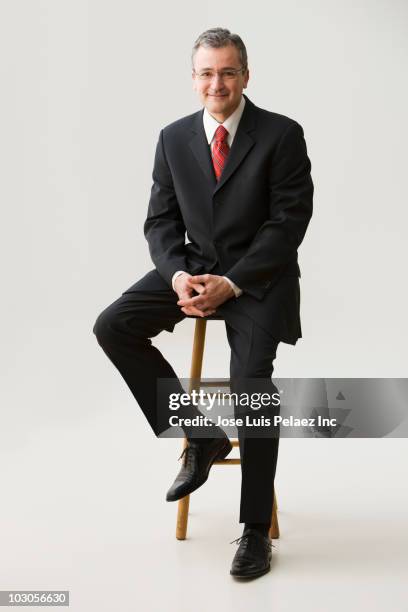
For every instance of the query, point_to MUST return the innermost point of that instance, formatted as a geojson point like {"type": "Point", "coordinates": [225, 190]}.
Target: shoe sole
{"type": "Point", "coordinates": [224, 452]}
{"type": "Point", "coordinates": [254, 575]}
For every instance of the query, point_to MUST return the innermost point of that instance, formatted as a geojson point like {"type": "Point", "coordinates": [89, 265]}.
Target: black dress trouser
{"type": "Point", "coordinates": [124, 331]}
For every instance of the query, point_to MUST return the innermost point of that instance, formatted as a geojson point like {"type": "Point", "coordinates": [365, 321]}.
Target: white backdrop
{"type": "Point", "coordinates": [86, 88]}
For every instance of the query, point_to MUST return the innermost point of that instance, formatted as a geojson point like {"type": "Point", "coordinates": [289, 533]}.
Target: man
{"type": "Point", "coordinates": [235, 180]}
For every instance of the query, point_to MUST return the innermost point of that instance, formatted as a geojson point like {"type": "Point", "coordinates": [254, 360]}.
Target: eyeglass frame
{"type": "Point", "coordinates": [235, 71]}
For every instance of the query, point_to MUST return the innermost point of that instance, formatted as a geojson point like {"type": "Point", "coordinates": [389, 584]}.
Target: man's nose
{"type": "Point", "coordinates": [217, 82]}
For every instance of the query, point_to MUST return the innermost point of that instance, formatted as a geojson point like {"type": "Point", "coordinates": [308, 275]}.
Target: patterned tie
{"type": "Point", "coordinates": [220, 150]}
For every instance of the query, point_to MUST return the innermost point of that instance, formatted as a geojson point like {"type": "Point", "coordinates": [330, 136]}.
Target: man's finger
{"type": "Point", "coordinates": [192, 311]}
{"type": "Point", "coordinates": [200, 278]}
{"type": "Point", "coordinates": [197, 287]}
{"type": "Point", "coordinates": [192, 301]}
{"type": "Point", "coordinates": [185, 296]}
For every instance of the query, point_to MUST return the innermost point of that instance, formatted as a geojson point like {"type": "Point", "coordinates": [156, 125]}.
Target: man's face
{"type": "Point", "coordinates": [220, 96]}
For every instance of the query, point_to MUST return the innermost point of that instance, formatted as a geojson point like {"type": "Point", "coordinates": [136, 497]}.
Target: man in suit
{"type": "Point", "coordinates": [234, 180]}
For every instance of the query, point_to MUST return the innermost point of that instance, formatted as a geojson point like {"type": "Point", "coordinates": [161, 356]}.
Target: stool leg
{"type": "Point", "coordinates": [182, 512]}
{"type": "Point", "coordinates": [195, 380]}
{"type": "Point", "coordinates": [198, 353]}
{"type": "Point", "coordinates": [274, 528]}
{"type": "Point", "coordinates": [182, 518]}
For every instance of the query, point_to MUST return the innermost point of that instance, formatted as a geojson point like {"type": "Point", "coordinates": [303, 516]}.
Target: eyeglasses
{"type": "Point", "coordinates": [225, 75]}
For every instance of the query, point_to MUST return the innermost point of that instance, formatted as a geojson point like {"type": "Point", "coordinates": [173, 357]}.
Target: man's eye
{"type": "Point", "coordinates": [228, 73]}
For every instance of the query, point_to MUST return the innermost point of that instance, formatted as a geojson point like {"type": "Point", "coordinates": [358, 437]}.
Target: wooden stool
{"type": "Point", "coordinates": [195, 384]}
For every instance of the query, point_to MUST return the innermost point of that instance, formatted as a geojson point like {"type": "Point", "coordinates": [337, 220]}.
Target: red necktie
{"type": "Point", "coordinates": [220, 150]}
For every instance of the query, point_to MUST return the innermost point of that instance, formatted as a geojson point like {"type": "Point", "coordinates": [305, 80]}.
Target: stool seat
{"type": "Point", "coordinates": [195, 384]}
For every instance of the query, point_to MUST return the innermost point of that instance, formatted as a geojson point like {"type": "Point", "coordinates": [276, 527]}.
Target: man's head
{"type": "Point", "coordinates": [220, 71]}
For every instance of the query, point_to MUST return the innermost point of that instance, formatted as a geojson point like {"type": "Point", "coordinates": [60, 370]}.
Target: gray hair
{"type": "Point", "coordinates": [220, 37]}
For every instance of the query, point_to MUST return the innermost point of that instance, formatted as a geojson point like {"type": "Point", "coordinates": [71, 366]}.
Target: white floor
{"type": "Point", "coordinates": [83, 509]}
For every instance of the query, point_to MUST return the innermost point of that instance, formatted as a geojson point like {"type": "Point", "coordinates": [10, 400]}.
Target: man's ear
{"type": "Point", "coordinates": [246, 79]}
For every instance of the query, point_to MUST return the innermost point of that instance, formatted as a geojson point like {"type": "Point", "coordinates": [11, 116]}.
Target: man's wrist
{"type": "Point", "coordinates": [175, 275]}
{"type": "Point", "coordinates": [235, 289]}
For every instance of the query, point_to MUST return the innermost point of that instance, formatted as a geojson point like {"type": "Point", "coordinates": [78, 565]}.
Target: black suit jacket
{"type": "Point", "coordinates": [248, 225]}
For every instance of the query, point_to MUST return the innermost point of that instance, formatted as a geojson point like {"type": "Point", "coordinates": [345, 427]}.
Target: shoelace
{"type": "Point", "coordinates": [245, 537]}
{"type": "Point", "coordinates": [190, 457]}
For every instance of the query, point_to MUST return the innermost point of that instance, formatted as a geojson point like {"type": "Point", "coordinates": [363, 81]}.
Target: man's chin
{"type": "Point", "coordinates": [217, 104]}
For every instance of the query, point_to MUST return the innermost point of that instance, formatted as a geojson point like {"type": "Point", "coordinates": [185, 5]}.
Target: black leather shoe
{"type": "Point", "coordinates": [198, 459]}
{"type": "Point", "coordinates": [253, 557]}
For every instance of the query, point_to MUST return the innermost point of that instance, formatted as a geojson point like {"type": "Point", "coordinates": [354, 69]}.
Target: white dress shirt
{"type": "Point", "coordinates": [210, 126]}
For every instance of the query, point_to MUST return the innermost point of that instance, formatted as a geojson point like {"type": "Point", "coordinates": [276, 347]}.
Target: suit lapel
{"type": "Point", "coordinates": [200, 148]}
{"type": "Point", "coordinates": [242, 144]}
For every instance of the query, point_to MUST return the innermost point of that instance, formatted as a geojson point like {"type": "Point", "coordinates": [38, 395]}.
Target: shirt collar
{"type": "Point", "coordinates": [230, 124]}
